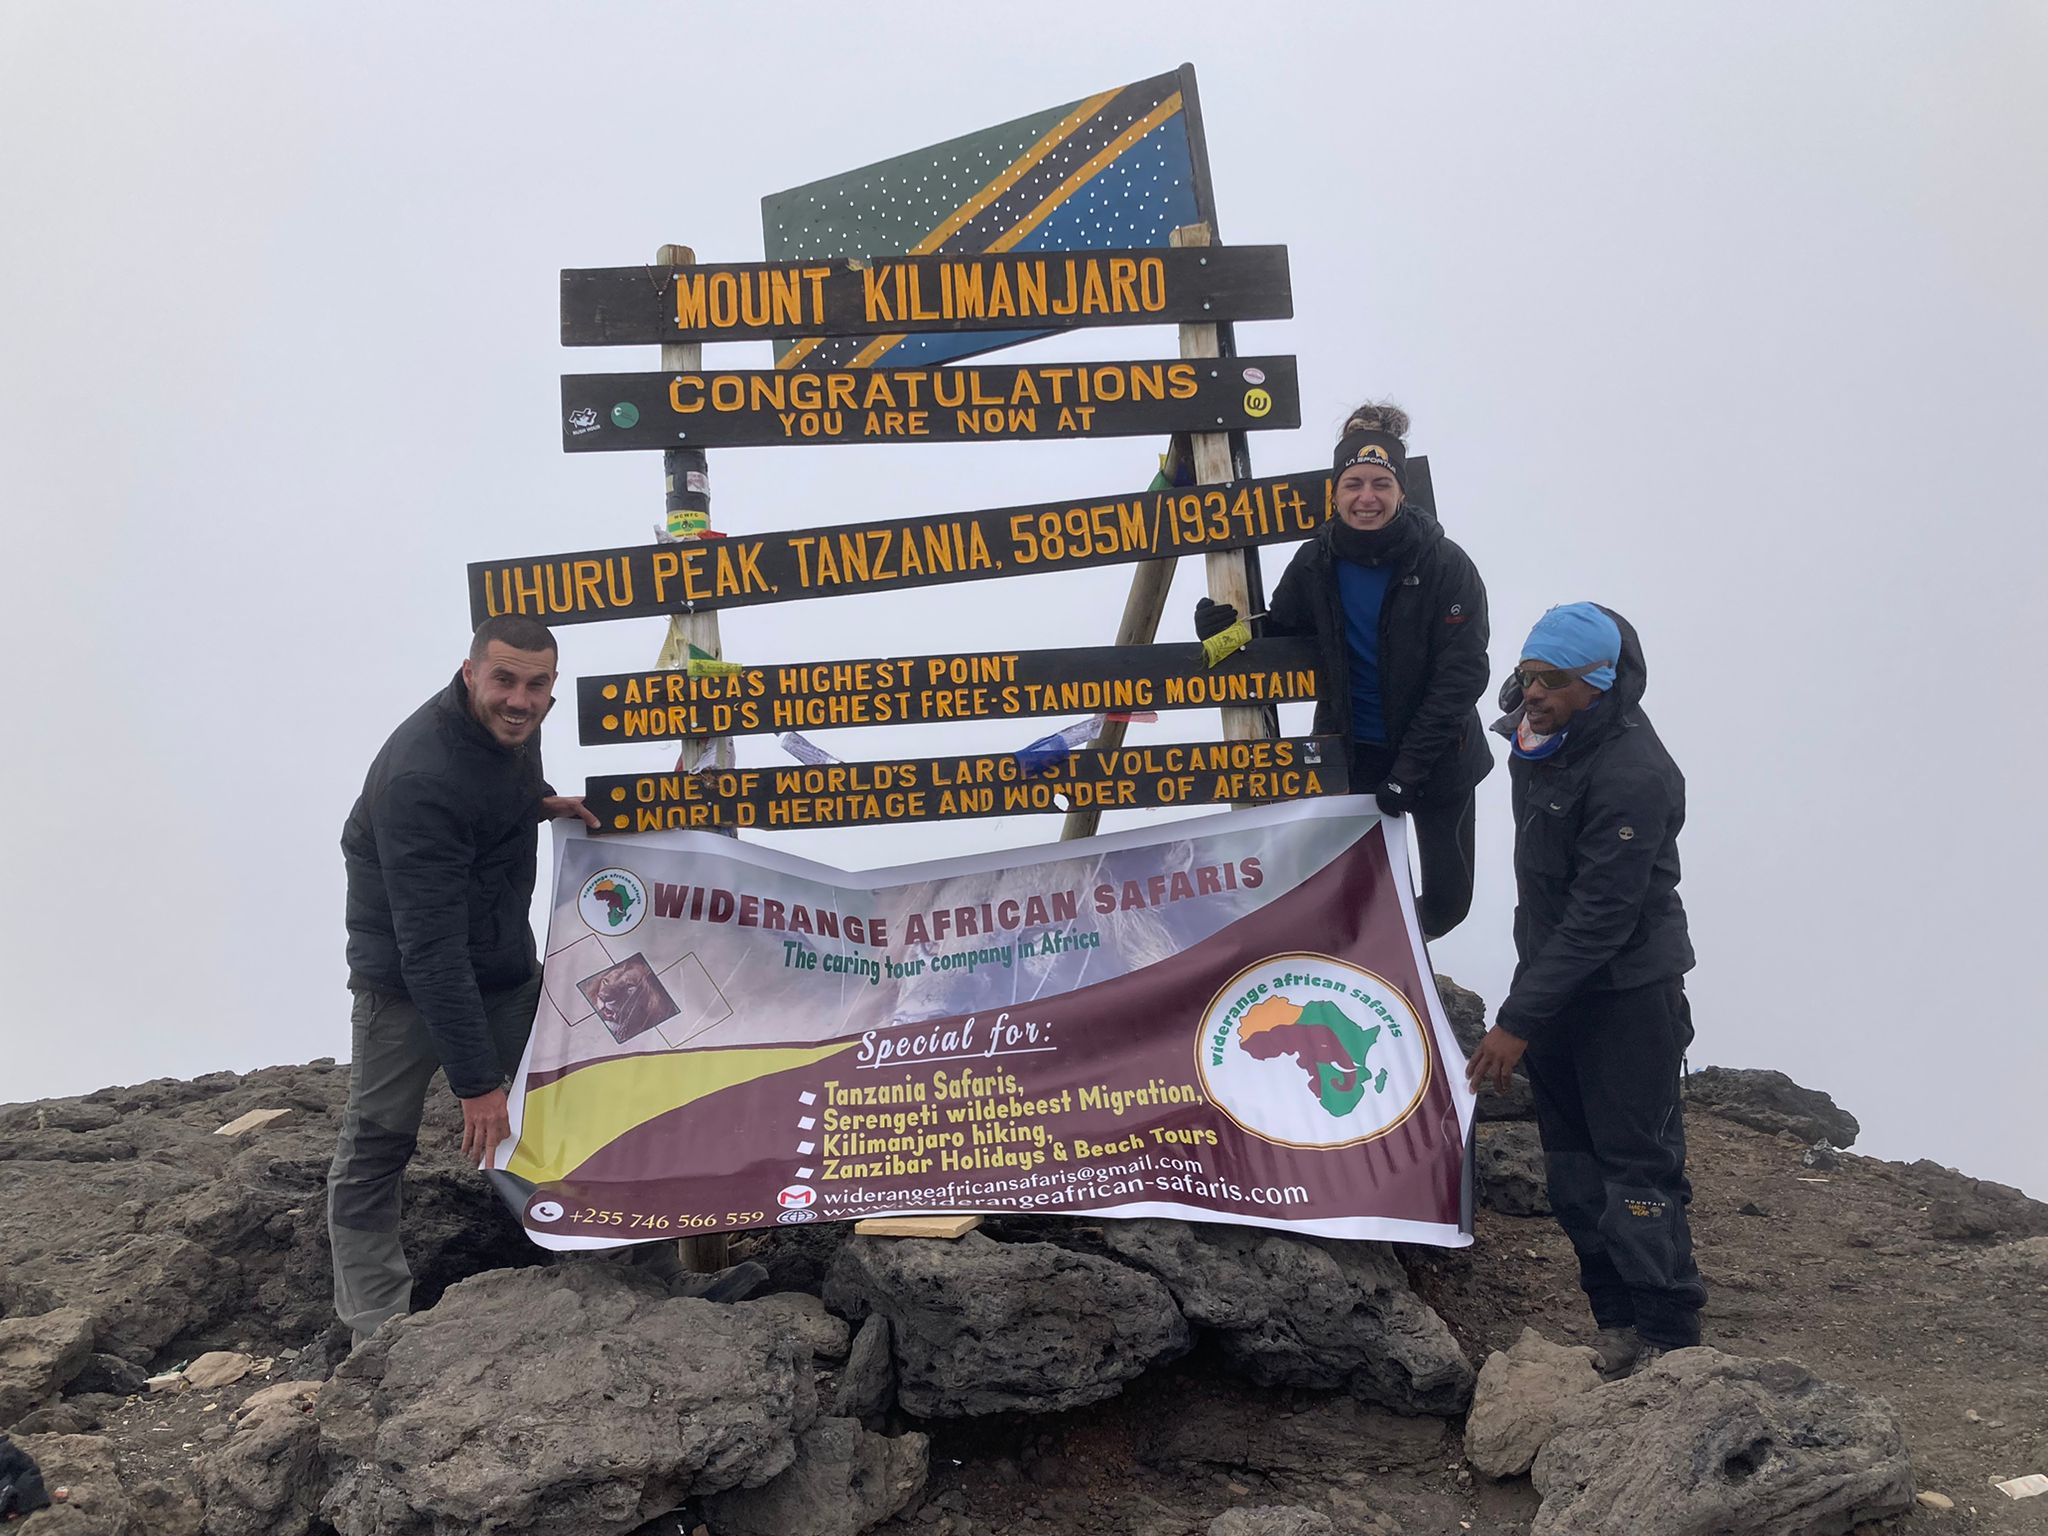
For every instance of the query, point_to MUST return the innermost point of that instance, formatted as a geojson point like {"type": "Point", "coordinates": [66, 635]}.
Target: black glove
{"type": "Point", "coordinates": [21, 1482]}
{"type": "Point", "coordinates": [1394, 799]}
{"type": "Point", "coordinates": [1212, 618]}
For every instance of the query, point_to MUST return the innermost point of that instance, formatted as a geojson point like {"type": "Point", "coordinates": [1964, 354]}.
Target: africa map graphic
{"type": "Point", "coordinates": [1323, 1040]}
{"type": "Point", "coordinates": [618, 899]}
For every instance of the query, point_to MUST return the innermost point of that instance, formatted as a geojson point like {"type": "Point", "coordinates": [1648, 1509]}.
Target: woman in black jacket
{"type": "Point", "coordinates": [1399, 615]}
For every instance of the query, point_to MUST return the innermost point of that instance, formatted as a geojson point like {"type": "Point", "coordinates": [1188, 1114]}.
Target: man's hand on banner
{"type": "Point", "coordinates": [486, 1121]}
{"type": "Point", "coordinates": [1496, 1057]}
{"type": "Point", "coordinates": [555, 807]}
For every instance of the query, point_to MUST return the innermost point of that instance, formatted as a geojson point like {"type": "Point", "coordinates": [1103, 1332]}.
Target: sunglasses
{"type": "Point", "coordinates": [1553, 678]}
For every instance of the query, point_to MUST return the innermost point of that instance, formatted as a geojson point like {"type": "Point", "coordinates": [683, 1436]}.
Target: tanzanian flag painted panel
{"type": "Point", "coordinates": [1122, 168]}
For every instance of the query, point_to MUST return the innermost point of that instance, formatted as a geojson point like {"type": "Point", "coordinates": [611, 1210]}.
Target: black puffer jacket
{"type": "Point", "coordinates": [1432, 655]}
{"type": "Point", "coordinates": [440, 851]}
{"type": "Point", "coordinates": [1596, 856]}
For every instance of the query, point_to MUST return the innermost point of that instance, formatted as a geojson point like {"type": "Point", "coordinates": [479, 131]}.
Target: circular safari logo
{"type": "Point", "coordinates": [612, 901]}
{"type": "Point", "coordinates": [1304, 1050]}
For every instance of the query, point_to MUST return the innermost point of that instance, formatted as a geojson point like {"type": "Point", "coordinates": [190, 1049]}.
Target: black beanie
{"type": "Point", "coordinates": [1369, 445]}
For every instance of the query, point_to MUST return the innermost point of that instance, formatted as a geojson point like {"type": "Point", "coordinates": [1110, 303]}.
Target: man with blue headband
{"type": "Point", "coordinates": [1598, 1001]}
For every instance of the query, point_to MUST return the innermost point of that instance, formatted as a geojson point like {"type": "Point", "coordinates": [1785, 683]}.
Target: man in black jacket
{"type": "Point", "coordinates": [440, 850]}
{"type": "Point", "coordinates": [1399, 616]}
{"type": "Point", "coordinates": [1598, 1000]}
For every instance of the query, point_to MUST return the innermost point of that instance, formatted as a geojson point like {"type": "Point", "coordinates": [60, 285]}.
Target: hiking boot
{"type": "Point", "coordinates": [1618, 1349]}
{"type": "Point", "coordinates": [734, 1284]}
{"type": "Point", "coordinates": [1648, 1356]}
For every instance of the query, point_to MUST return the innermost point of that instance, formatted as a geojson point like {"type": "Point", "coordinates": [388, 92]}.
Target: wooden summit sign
{"type": "Point", "coordinates": [966, 788]}
{"type": "Point", "coordinates": [1053, 290]}
{"type": "Point", "coordinates": [923, 690]}
{"type": "Point", "coordinates": [964, 403]}
{"type": "Point", "coordinates": [641, 580]}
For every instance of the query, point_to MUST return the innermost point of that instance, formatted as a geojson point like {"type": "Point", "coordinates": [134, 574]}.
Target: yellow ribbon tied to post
{"type": "Point", "coordinates": [1223, 642]}
{"type": "Point", "coordinates": [708, 666]}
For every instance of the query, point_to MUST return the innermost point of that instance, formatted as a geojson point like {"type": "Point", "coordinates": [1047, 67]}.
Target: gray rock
{"type": "Point", "coordinates": [1466, 1010]}
{"type": "Point", "coordinates": [867, 1384]}
{"type": "Point", "coordinates": [443, 1423]}
{"type": "Point", "coordinates": [268, 1479]}
{"type": "Point", "coordinates": [1243, 1433]}
{"type": "Point", "coordinates": [1963, 1209]}
{"type": "Point", "coordinates": [1517, 1401]}
{"type": "Point", "coordinates": [105, 1499]}
{"type": "Point", "coordinates": [845, 1481]}
{"type": "Point", "coordinates": [1273, 1520]}
{"type": "Point", "coordinates": [109, 1373]}
{"type": "Point", "coordinates": [1706, 1444]}
{"type": "Point", "coordinates": [797, 1258]}
{"type": "Point", "coordinates": [1305, 1312]}
{"type": "Point", "coordinates": [65, 1418]}
{"type": "Point", "coordinates": [824, 1335]}
{"type": "Point", "coordinates": [1512, 1179]}
{"type": "Point", "coordinates": [978, 1326]}
{"type": "Point", "coordinates": [126, 1204]}
{"type": "Point", "coordinates": [1771, 1101]}
{"type": "Point", "coordinates": [39, 1356]}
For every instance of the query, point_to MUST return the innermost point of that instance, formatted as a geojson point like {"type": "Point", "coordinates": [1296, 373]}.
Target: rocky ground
{"type": "Point", "coordinates": [1058, 1378]}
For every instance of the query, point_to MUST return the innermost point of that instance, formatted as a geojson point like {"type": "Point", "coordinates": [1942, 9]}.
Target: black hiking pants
{"type": "Point", "coordinates": [1443, 844]}
{"type": "Point", "coordinates": [1606, 1079]}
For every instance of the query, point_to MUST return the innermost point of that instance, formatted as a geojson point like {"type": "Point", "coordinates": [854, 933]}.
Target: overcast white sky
{"type": "Point", "coordinates": [1730, 317]}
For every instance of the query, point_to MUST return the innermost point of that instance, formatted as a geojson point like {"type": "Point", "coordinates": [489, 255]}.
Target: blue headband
{"type": "Point", "coordinates": [1577, 635]}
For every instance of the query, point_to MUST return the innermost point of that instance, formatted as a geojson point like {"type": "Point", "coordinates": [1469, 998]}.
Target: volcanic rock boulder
{"type": "Point", "coordinates": [866, 1389]}
{"type": "Point", "coordinates": [102, 1497]}
{"type": "Point", "coordinates": [1466, 1010]}
{"type": "Point", "coordinates": [1305, 1312]}
{"type": "Point", "coordinates": [1518, 1399]}
{"type": "Point", "coordinates": [573, 1401]}
{"type": "Point", "coordinates": [1771, 1101]}
{"type": "Point", "coordinates": [1509, 1163]}
{"type": "Point", "coordinates": [1706, 1444]}
{"type": "Point", "coordinates": [979, 1326]}
{"type": "Point", "coordinates": [844, 1481]}
{"type": "Point", "coordinates": [124, 1203]}
{"type": "Point", "coordinates": [1960, 1208]}
{"type": "Point", "coordinates": [824, 1335]}
{"type": "Point", "coordinates": [267, 1480]}
{"type": "Point", "coordinates": [39, 1356]}
{"type": "Point", "coordinates": [1247, 1433]}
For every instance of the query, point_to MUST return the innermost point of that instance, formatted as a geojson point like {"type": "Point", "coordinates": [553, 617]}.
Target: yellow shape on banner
{"type": "Point", "coordinates": [570, 1120]}
{"type": "Point", "coordinates": [703, 667]}
{"type": "Point", "coordinates": [1222, 643]}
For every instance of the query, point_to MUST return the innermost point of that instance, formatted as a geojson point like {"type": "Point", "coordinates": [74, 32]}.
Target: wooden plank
{"type": "Point", "coordinates": [796, 797]}
{"type": "Point", "coordinates": [255, 1120]}
{"type": "Point", "coordinates": [745, 570]}
{"type": "Point", "coordinates": [916, 1226]}
{"type": "Point", "coordinates": [663, 705]}
{"type": "Point", "coordinates": [1041, 290]}
{"type": "Point", "coordinates": [971, 402]}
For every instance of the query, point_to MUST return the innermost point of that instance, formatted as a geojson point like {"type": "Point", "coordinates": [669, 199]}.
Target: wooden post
{"type": "Point", "coordinates": [710, 1251]}
{"type": "Point", "coordinates": [1227, 572]}
{"type": "Point", "coordinates": [688, 629]}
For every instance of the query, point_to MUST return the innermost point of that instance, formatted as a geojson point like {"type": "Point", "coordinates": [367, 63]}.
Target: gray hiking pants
{"type": "Point", "coordinates": [391, 1065]}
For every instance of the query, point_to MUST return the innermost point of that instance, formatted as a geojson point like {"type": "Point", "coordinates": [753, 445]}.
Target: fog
{"type": "Point", "coordinates": [1730, 318]}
